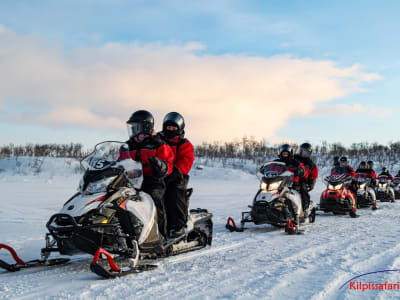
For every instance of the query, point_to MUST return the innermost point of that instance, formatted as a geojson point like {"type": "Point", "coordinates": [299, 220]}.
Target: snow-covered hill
{"type": "Point", "coordinates": [261, 263]}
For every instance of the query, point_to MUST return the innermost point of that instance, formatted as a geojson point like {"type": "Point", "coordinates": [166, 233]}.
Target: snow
{"type": "Point", "coordinates": [260, 263]}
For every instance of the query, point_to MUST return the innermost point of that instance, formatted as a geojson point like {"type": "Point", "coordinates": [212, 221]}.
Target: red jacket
{"type": "Point", "coordinates": [153, 146]}
{"type": "Point", "coordinates": [292, 165]}
{"type": "Point", "coordinates": [311, 168]}
{"type": "Point", "coordinates": [183, 151]}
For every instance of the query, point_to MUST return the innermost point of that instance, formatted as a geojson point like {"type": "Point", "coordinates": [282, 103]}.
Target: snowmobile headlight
{"type": "Point", "coordinates": [274, 186]}
{"type": "Point", "coordinates": [362, 186]}
{"type": "Point", "coordinates": [335, 187]}
{"type": "Point", "coordinates": [263, 186]}
{"type": "Point", "coordinates": [99, 186]}
{"type": "Point", "coordinates": [383, 185]}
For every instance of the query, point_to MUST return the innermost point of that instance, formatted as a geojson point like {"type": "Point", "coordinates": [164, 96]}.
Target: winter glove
{"type": "Point", "coordinates": [311, 184]}
{"type": "Point", "coordinates": [159, 167]}
{"type": "Point", "coordinates": [299, 172]}
{"type": "Point", "coordinates": [131, 144]}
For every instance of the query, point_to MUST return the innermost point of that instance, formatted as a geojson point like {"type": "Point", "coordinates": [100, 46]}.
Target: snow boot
{"type": "Point", "coordinates": [353, 213]}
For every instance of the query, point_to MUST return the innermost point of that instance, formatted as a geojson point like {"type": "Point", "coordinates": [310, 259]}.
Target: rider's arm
{"type": "Point", "coordinates": [185, 157]}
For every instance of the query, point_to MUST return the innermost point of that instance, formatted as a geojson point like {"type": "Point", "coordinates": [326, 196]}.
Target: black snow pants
{"type": "Point", "coordinates": [156, 189]}
{"type": "Point", "coordinates": [175, 199]}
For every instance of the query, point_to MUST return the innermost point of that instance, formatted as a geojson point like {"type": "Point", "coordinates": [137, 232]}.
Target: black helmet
{"type": "Point", "coordinates": [370, 164]}
{"type": "Point", "coordinates": [385, 170]}
{"type": "Point", "coordinates": [362, 165]}
{"type": "Point", "coordinates": [343, 161]}
{"type": "Point", "coordinates": [141, 121]}
{"type": "Point", "coordinates": [305, 150]}
{"type": "Point", "coordinates": [173, 119]}
{"type": "Point", "coordinates": [336, 161]}
{"type": "Point", "coordinates": [285, 148]}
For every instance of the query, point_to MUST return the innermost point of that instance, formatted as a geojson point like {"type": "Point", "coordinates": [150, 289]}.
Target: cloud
{"type": "Point", "coordinates": [345, 109]}
{"type": "Point", "coordinates": [221, 96]}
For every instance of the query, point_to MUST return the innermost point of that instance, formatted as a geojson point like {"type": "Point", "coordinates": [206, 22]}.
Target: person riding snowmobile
{"type": "Point", "coordinates": [299, 170]}
{"type": "Point", "coordinates": [336, 161]}
{"type": "Point", "coordinates": [363, 168]}
{"type": "Point", "coordinates": [370, 167]}
{"type": "Point", "coordinates": [176, 183]}
{"type": "Point", "coordinates": [307, 184]}
{"type": "Point", "coordinates": [344, 168]}
{"type": "Point", "coordinates": [156, 157]}
{"type": "Point", "coordinates": [385, 172]}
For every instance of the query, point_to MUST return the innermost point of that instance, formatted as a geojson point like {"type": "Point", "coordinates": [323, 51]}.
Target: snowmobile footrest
{"type": "Point", "coordinates": [231, 225]}
{"type": "Point", "coordinates": [115, 271]}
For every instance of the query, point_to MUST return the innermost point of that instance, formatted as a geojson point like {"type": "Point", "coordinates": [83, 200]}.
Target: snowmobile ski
{"type": "Point", "coordinates": [20, 264]}
{"type": "Point", "coordinates": [114, 270]}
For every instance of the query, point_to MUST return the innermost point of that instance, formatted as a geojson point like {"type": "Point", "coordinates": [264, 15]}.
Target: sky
{"type": "Point", "coordinates": [74, 71]}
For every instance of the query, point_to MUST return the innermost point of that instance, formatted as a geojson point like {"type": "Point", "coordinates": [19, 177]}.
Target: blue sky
{"type": "Point", "coordinates": [344, 33]}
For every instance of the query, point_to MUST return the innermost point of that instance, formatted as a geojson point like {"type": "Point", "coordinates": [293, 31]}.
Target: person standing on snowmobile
{"type": "Point", "coordinates": [175, 197]}
{"type": "Point", "coordinates": [307, 184]}
{"type": "Point", "coordinates": [156, 158]}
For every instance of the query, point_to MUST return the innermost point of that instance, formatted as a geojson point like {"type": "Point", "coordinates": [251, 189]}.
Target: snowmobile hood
{"type": "Point", "coordinates": [82, 203]}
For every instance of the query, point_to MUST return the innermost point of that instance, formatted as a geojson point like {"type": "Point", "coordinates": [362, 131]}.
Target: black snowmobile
{"type": "Point", "coordinates": [276, 202]}
{"type": "Point", "coordinates": [110, 217]}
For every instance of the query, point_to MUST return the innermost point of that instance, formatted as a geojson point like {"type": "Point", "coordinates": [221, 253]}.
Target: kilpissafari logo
{"type": "Point", "coordinates": [355, 284]}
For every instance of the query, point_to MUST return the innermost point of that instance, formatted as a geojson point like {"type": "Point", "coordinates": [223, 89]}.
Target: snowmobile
{"type": "Point", "coordinates": [384, 191]}
{"type": "Point", "coordinates": [276, 202]}
{"type": "Point", "coordinates": [338, 198]}
{"type": "Point", "coordinates": [396, 187]}
{"type": "Point", "coordinates": [365, 194]}
{"type": "Point", "coordinates": [110, 217]}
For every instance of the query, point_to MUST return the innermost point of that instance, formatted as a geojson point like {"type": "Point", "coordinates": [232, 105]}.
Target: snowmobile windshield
{"type": "Point", "coordinates": [362, 177]}
{"type": "Point", "coordinates": [111, 158]}
{"type": "Point", "coordinates": [383, 178]}
{"type": "Point", "coordinates": [273, 169]}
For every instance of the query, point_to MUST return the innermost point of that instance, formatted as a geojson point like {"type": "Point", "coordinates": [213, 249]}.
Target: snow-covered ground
{"type": "Point", "coordinates": [261, 263]}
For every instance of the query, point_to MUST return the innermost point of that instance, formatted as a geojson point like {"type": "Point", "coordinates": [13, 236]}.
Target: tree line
{"type": "Point", "coordinates": [247, 148]}
{"type": "Point", "coordinates": [72, 150]}
{"type": "Point", "coordinates": [259, 151]}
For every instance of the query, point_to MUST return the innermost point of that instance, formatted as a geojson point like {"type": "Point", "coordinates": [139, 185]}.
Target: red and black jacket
{"type": "Point", "coordinates": [183, 152]}
{"type": "Point", "coordinates": [294, 165]}
{"type": "Point", "coordinates": [371, 173]}
{"type": "Point", "coordinates": [152, 146]}
{"type": "Point", "coordinates": [344, 170]}
{"type": "Point", "coordinates": [312, 169]}
{"type": "Point", "coordinates": [386, 174]}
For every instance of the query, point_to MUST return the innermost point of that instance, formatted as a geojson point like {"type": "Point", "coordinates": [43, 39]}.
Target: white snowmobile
{"type": "Point", "coordinates": [276, 202]}
{"type": "Point", "coordinates": [111, 217]}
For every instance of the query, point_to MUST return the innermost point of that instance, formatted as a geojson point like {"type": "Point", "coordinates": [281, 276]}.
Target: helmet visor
{"type": "Point", "coordinates": [134, 129]}
{"type": "Point", "coordinates": [305, 152]}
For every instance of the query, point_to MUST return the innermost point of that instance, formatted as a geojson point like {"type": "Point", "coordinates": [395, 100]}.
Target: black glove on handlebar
{"type": "Point", "coordinates": [159, 167]}
{"type": "Point", "coordinates": [299, 172]}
